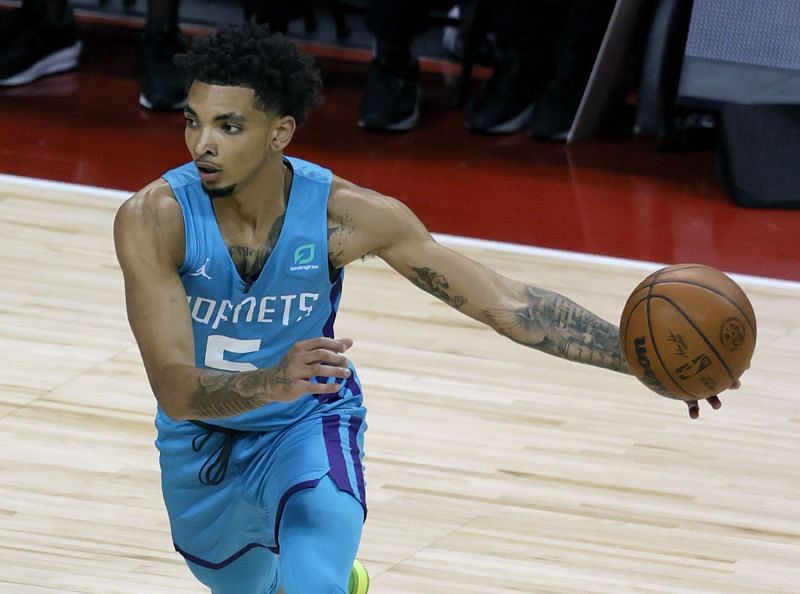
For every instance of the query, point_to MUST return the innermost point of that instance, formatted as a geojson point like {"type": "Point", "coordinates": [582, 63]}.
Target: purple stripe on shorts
{"type": "Point", "coordinates": [355, 427]}
{"type": "Point", "coordinates": [221, 564]}
{"type": "Point", "coordinates": [330, 397]}
{"type": "Point", "coordinates": [333, 444]}
{"type": "Point", "coordinates": [282, 504]}
{"type": "Point", "coordinates": [336, 291]}
{"type": "Point", "coordinates": [352, 385]}
{"type": "Point", "coordinates": [326, 398]}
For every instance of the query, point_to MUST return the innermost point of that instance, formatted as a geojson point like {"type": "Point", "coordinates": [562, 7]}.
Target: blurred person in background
{"type": "Point", "coordinates": [545, 50]}
{"type": "Point", "coordinates": [40, 38]}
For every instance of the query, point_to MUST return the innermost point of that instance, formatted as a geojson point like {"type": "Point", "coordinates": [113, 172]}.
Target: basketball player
{"type": "Point", "coordinates": [233, 267]}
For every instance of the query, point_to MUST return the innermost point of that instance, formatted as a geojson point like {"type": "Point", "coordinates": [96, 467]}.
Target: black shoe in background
{"type": "Point", "coordinates": [505, 104]}
{"type": "Point", "coordinates": [12, 22]}
{"type": "Point", "coordinates": [163, 85]}
{"type": "Point", "coordinates": [555, 110]}
{"type": "Point", "coordinates": [391, 97]}
{"type": "Point", "coordinates": [574, 53]}
{"type": "Point", "coordinates": [30, 50]}
{"type": "Point", "coordinates": [557, 105]}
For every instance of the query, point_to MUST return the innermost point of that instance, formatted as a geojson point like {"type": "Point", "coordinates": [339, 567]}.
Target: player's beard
{"type": "Point", "coordinates": [219, 192]}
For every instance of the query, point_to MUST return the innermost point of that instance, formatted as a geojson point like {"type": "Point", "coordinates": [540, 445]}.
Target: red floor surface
{"type": "Point", "coordinates": [616, 196]}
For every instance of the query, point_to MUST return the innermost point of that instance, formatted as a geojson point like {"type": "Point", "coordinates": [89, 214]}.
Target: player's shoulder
{"type": "Point", "coordinates": [149, 225]}
{"type": "Point", "coordinates": [151, 217]}
{"type": "Point", "coordinates": [155, 203]}
{"type": "Point", "coordinates": [343, 190]}
{"type": "Point", "coordinates": [350, 200]}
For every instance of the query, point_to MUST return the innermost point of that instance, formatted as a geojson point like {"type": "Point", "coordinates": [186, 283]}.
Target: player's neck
{"type": "Point", "coordinates": [250, 212]}
{"type": "Point", "coordinates": [263, 196]}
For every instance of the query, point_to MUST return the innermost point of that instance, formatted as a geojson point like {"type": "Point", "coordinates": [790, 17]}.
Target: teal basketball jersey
{"type": "Point", "coordinates": [241, 326]}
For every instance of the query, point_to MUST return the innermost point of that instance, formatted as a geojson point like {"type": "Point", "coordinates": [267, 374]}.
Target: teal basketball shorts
{"type": "Point", "coordinates": [225, 490]}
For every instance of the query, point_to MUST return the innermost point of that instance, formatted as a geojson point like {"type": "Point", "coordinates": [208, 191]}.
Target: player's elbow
{"type": "Point", "coordinates": [168, 405]}
{"type": "Point", "coordinates": [174, 410]}
{"type": "Point", "coordinates": [172, 400]}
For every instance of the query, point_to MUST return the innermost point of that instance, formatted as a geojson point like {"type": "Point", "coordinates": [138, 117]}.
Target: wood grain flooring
{"type": "Point", "coordinates": [491, 468]}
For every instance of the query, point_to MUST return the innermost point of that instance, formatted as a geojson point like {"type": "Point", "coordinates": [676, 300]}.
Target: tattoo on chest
{"type": "Point", "coordinates": [436, 284]}
{"type": "Point", "coordinates": [249, 261]}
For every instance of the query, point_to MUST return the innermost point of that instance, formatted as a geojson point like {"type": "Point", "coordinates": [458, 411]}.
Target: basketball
{"type": "Point", "coordinates": [688, 331]}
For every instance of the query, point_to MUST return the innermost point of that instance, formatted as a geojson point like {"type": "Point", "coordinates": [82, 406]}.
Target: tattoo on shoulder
{"type": "Point", "coordinates": [340, 238]}
{"type": "Point", "coordinates": [336, 244]}
{"type": "Point", "coordinates": [554, 324]}
{"type": "Point", "coordinates": [436, 284]}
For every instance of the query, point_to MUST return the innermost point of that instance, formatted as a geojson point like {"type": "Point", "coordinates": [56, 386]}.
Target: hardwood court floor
{"type": "Point", "coordinates": [491, 468]}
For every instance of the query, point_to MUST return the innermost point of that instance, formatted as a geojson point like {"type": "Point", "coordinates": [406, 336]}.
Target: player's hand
{"type": "Point", "coordinates": [714, 401]}
{"type": "Point", "coordinates": [316, 357]}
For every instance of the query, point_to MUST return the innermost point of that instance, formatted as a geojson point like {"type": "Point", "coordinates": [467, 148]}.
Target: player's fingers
{"type": "Point", "coordinates": [694, 408]}
{"type": "Point", "coordinates": [326, 357]}
{"type": "Point", "coordinates": [338, 345]}
{"type": "Point", "coordinates": [735, 385]}
{"type": "Point", "coordinates": [319, 370]}
{"type": "Point", "coordinates": [715, 402]}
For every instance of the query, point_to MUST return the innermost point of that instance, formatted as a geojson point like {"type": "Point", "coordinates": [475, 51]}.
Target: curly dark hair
{"type": "Point", "coordinates": [284, 79]}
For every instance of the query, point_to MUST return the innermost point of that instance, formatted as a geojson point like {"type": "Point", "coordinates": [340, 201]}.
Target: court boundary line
{"type": "Point", "coordinates": [452, 240]}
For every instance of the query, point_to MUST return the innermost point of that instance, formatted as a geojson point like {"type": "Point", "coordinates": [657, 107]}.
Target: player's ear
{"type": "Point", "coordinates": [282, 131]}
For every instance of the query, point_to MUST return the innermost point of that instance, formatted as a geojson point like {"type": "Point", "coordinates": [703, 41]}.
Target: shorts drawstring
{"type": "Point", "coordinates": [216, 465]}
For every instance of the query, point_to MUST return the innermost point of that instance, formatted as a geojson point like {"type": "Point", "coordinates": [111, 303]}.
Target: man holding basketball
{"type": "Point", "coordinates": [233, 267]}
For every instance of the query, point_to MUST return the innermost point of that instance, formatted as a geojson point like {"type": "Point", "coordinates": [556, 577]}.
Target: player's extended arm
{"type": "Point", "coordinates": [362, 222]}
{"type": "Point", "coordinates": [149, 239]}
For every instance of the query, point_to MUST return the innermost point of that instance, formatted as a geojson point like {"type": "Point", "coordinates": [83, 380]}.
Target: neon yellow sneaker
{"type": "Point", "coordinates": [359, 579]}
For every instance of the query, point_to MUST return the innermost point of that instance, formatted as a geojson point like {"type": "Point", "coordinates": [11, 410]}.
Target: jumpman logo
{"type": "Point", "coordinates": [202, 270]}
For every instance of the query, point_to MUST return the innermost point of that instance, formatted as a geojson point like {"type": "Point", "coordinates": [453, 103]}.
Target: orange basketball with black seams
{"type": "Point", "coordinates": [688, 331]}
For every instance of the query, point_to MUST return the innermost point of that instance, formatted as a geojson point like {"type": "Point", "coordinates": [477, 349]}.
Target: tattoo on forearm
{"type": "Point", "coordinates": [436, 284]}
{"type": "Point", "coordinates": [249, 261]}
{"type": "Point", "coordinates": [225, 394]}
{"type": "Point", "coordinates": [554, 324]}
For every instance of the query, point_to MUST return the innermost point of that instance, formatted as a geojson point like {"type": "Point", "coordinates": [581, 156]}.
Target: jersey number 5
{"type": "Point", "coordinates": [217, 345]}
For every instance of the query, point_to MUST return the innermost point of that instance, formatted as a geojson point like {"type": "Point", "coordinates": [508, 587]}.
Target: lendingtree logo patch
{"type": "Point", "coordinates": [303, 257]}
